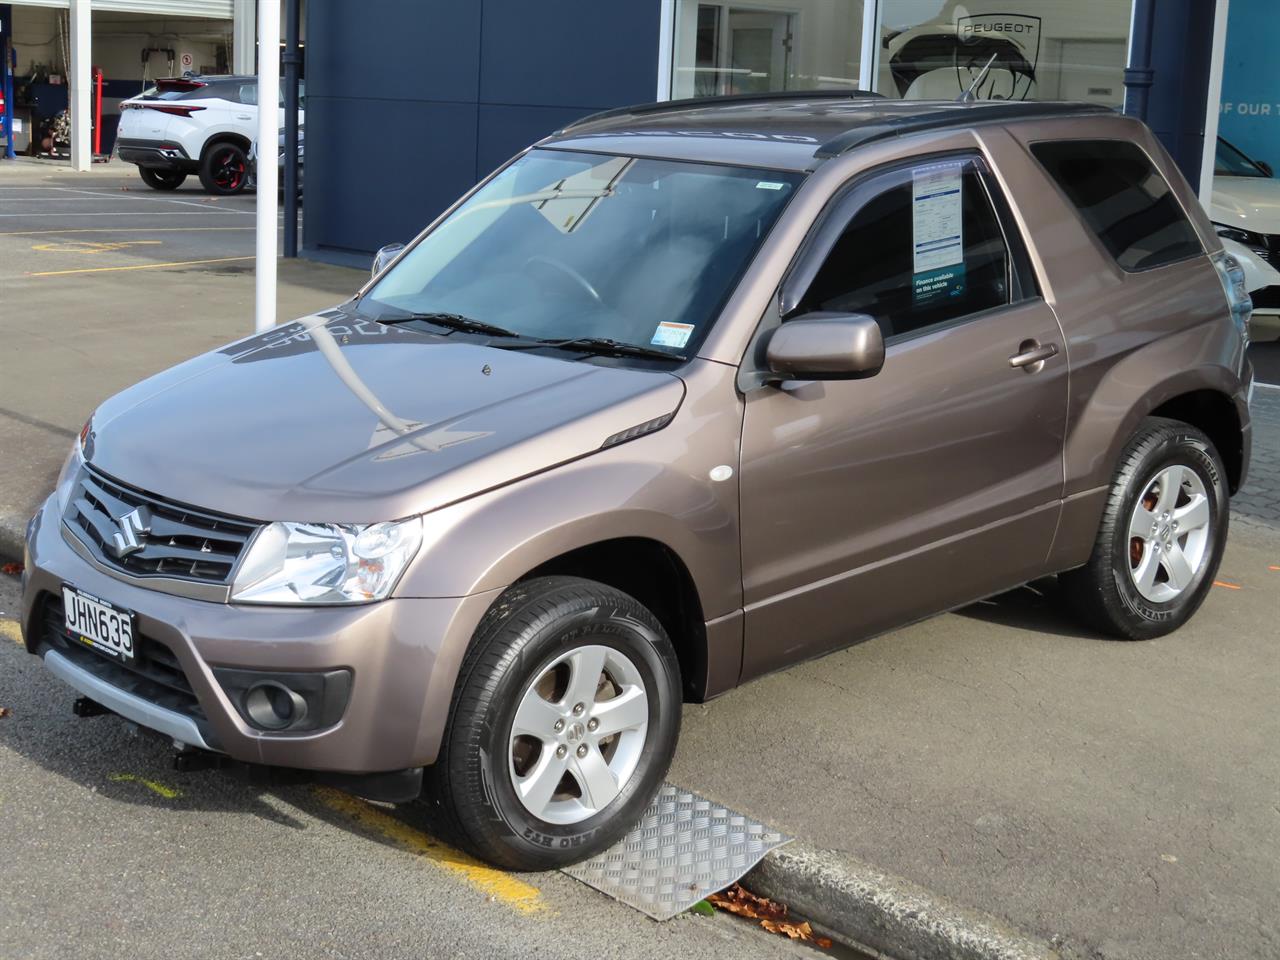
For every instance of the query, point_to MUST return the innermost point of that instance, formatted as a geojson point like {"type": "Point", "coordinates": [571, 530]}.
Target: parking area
{"type": "Point", "coordinates": [54, 223]}
{"type": "Point", "coordinates": [1119, 799]}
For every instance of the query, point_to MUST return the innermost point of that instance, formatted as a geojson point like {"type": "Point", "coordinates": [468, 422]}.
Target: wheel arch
{"type": "Point", "coordinates": [655, 575]}
{"type": "Point", "coordinates": [225, 136]}
{"type": "Point", "coordinates": [1214, 413]}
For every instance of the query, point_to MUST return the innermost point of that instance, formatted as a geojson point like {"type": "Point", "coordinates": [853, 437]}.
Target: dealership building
{"type": "Point", "coordinates": [410, 102]}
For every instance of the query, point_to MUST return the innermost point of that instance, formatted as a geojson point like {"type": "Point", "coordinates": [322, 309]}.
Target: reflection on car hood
{"type": "Point", "coordinates": [330, 419]}
{"type": "Point", "coordinates": [1248, 203]}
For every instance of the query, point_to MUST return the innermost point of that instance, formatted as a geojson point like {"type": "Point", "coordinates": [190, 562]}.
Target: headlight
{"type": "Point", "coordinates": [71, 466]}
{"type": "Point", "coordinates": [325, 563]}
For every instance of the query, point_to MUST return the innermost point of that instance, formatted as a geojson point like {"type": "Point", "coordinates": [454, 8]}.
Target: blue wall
{"type": "Point", "coordinates": [1250, 114]}
{"type": "Point", "coordinates": [410, 102]}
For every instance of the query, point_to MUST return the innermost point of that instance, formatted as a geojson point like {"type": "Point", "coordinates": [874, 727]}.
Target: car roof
{"type": "Point", "coordinates": [794, 131]}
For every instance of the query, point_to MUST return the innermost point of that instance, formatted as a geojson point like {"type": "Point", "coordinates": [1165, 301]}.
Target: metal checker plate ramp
{"type": "Point", "coordinates": [683, 849]}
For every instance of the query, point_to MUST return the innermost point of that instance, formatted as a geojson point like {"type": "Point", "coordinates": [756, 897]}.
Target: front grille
{"type": "Point", "coordinates": [153, 674]}
{"type": "Point", "coordinates": [179, 542]}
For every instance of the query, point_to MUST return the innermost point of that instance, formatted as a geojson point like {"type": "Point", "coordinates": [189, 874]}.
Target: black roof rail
{"type": "Point", "coordinates": [977, 111]}
{"type": "Point", "coordinates": [662, 106]}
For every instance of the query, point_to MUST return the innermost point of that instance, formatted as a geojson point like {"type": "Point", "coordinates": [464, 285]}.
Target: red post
{"type": "Point", "coordinates": [97, 110]}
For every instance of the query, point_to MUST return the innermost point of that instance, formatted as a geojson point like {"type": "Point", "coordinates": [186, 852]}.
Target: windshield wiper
{"type": "Point", "coordinates": [604, 346]}
{"type": "Point", "coordinates": [454, 321]}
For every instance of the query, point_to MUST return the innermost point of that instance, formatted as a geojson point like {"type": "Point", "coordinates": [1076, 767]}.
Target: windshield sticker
{"type": "Point", "coordinates": [671, 334]}
{"type": "Point", "coordinates": [769, 185]}
{"type": "Point", "coordinates": [937, 232]}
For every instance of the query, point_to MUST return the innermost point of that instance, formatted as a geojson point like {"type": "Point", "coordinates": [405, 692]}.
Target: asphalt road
{"type": "Point", "coordinates": [107, 852]}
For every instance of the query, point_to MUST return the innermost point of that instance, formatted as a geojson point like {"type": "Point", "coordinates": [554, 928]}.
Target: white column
{"type": "Point", "coordinates": [666, 43]}
{"type": "Point", "coordinates": [242, 37]}
{"type": "Point", "coordinates": [1213, 108]}
{"type": "Point", "coordinates": [268, 148]}
{"type": "Point", "coordinates": [867, 61]}
{"type": "Point", "coordinates": [81, 86]}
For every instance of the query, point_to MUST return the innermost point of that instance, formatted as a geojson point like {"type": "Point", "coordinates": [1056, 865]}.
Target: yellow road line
{"type": "Point", "coordinates": [38, 233]}
{"type": "Point", "coordinates": [10, 629]}
{"type": "Point", "coordinates": [499, 885]}
{"type": "Point", "coordinates": [159, 789]}
{"type": "Point", "coordinates": [1273, 567]}
{"type": "Point", "coordinates": [139, 266]}
{"type": "Point", "coordinates": [1229, 586]}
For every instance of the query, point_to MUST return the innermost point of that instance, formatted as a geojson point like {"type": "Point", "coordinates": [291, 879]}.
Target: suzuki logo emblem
{"type": "Point", "coordinates": [134, 527]}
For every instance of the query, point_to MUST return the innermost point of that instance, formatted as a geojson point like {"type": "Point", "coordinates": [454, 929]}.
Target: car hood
{"type": "Point", "coordinates": [331, 419]}
{"type": "Point", "coordinates": [1249, 203]}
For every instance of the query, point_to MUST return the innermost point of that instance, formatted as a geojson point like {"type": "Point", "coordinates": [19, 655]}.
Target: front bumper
{"type": "Point", "coordinates": [403, 655]}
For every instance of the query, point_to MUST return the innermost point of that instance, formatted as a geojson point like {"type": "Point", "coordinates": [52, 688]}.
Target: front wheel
{"type": "Point", "coordinates": [162, 179]}
{"type": "Point", "coordinates": [564, 722]}
{"type": "Point", "coordinates": [1162, 535]}
{"type": "Point", "coordinates": [224, 169]}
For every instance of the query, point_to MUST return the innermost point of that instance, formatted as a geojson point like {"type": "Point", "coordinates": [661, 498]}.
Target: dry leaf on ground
{"type": "Point", "coordinates": [13, 569]}
{"type": "Point", "coordinates": [772, 915]}
{"type": "Point", "coordinates": [4, 712]}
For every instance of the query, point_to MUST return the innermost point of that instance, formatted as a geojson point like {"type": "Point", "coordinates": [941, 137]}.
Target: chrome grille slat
{"type": "Point", "coordinates": [181, 543]}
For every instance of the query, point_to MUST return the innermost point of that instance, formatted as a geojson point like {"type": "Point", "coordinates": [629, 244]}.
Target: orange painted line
{"type": "Point", "coordinates": [1273, 567]}
{"type": "Point", "coordinates": [1229, 586]}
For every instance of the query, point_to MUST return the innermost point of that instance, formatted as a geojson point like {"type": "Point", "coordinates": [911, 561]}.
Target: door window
{"type": "Point", "coordinates": [923, 247]}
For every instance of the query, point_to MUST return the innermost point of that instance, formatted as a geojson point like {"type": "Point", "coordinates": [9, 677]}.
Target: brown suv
{"type": "Point", "coordinates": [682, 395]}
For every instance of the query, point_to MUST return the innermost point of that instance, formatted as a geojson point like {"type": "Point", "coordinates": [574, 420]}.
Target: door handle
{"type": "Point", "coordinates": [1032, 354]}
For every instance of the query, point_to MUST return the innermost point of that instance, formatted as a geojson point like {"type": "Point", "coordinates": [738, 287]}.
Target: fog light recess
{"type": "Point", "coordinates": [273, 706]}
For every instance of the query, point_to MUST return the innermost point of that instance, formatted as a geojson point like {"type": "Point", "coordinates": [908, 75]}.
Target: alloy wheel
{"type": "Point", "coordinates": [578, 734]}
{"type": "Point", "coordinates": [1169, 533]}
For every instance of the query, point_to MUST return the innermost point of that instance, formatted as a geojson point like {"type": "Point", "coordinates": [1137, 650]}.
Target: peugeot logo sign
{"type": "Point", "coordinates": [134, 528]}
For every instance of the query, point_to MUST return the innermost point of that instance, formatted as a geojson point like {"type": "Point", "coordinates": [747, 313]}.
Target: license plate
{"type": "Point", "coordinates": [97, 624]}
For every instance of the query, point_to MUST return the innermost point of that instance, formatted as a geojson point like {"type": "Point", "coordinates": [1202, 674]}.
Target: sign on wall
{"type": "Point", "coordinates": [1250, 111]}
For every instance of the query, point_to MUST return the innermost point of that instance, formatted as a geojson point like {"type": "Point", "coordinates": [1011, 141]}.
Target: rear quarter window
{"type": "Point", "coordinates": [1123, 199]}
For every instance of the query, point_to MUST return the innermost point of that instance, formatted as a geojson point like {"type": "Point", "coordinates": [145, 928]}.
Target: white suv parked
{"type": "Point", "coordinates": [192, 124]}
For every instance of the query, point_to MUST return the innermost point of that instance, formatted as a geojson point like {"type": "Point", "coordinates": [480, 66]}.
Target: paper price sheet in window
{"type": "Point", "coordinates": [937, 232]}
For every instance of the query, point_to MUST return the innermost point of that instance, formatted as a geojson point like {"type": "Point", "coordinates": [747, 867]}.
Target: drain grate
{"type": "Point", "coordinates": [683, 848]}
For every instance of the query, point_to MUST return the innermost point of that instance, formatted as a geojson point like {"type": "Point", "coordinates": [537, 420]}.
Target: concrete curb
{"type": "Point", "coordinates": [868, 908]}
{"type": "Point", "coordinates": [13, 532]}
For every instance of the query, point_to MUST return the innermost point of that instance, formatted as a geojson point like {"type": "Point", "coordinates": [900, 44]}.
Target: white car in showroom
{"type": "Point", "coordinates": [193, 124]}
{"type": "Point", "coordinates": [1245, 210]}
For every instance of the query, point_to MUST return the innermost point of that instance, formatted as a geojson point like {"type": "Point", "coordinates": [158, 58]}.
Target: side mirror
{"type": "Point", "coordinates": [826, 346]}
{"type": "Point", "coordinates": [385, 256]}
{"type": "Point", "coordinates": [1265, 167]}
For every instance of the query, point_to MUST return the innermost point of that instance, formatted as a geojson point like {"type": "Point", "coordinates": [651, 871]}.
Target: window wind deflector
{"type": "Point", "coordinates": [453, 321]}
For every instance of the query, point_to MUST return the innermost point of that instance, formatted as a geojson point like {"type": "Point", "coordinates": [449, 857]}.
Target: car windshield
{"type": "Point", "coordinates": [564, 245]}
{"type": "Point", "coordinates": [1230, 162]}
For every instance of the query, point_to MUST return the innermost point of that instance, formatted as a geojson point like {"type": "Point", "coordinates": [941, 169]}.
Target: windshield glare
{"type": "Point", "coordinates": [1229, 161]}
{"type": "Point", "coordinates": [563, 245]}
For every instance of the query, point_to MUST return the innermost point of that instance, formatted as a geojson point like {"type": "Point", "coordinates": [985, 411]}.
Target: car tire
{"type": "Point", "coordinates": [510, 797]}
{"type": "Point", "coordinates": [1163, 531]}
{"type": "Point", "coordinates": [162, 179]}
{"type": "Point", "coordinates": [224, 169]}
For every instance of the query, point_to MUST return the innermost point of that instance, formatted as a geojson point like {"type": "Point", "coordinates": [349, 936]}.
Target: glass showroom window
{"type": "Point", "coordinates": [754, 46]}
{"type": "Point", "coordinates": [1043, 49]}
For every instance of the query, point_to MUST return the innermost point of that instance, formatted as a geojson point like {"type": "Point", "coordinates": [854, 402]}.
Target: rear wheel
{"type": "Point", "coordinates": [224, 169]}
{"type": "Point", "coordinates": [162, 179]}
{"type": "Point", "coordinates": [1162, 535]}
{"type": "Point", "coordinates": [564, 722]}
